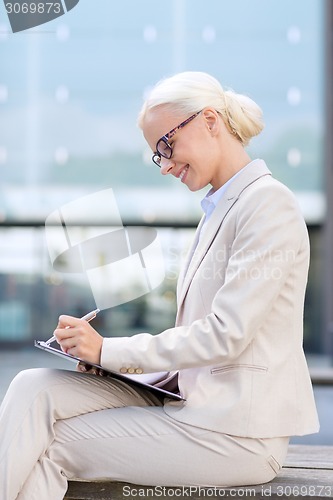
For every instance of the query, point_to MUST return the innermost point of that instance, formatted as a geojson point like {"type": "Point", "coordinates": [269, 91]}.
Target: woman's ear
{"type": "Point", "coordinates": [212, 121]}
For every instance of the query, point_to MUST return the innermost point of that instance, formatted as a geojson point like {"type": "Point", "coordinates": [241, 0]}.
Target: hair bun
{"type": "Point", "coordinates": [243, 115]}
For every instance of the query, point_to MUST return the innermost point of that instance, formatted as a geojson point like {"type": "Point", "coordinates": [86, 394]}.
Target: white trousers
{"type": "Point", "coordinates": [58, 424]}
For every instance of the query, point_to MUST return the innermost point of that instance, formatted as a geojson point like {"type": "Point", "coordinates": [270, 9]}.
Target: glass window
{"type": "Point", "coordinates": [70, 91]}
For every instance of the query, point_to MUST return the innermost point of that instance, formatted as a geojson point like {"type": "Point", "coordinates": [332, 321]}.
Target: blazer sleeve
{"type": "Point", "coordinates": [269, 251]}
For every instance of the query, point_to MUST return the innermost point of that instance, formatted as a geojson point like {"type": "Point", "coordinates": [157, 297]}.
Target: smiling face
{"type": "Point", "coordinates": [201, 150]}
{"type": "Point", "coordinates": [195, 156]}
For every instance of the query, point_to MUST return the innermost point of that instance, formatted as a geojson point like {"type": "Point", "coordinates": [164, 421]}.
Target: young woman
{"type": "Point", "coordinates": [236, 344]}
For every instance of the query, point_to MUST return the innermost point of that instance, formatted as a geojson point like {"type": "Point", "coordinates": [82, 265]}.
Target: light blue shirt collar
{"type": "Point", "coordinates": [212, 198]}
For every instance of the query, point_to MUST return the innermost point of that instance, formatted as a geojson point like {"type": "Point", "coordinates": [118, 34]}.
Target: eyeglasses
{"type": "Point", "coordinates": [163, 148]}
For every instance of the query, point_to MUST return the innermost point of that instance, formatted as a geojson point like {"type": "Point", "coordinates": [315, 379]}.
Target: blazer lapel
{"type": "Point", "coordinates": [201, 245]}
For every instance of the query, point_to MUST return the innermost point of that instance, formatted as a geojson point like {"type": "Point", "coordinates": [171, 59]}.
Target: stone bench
{"type": "Point", "coordinates": [307, 474]}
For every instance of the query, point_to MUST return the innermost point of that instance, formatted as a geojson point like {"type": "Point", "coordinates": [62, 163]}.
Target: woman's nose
{"type": "Point", "coordinates": [166, 166]}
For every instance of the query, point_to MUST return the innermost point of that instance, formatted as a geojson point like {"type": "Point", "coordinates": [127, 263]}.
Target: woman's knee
{"type": "Point", "coordinates": [26, 379]}
{"type": "Point", "coordinates": [31, 377]}
{"type": "Point", "coordinates": [31, 382]}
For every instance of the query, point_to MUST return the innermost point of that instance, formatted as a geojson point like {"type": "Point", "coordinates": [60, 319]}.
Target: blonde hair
{"type": "Point", "coordinates": [192, 91]}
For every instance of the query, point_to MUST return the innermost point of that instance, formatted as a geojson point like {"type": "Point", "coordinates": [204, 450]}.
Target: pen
{"type": "Point", "coordinates": [88, 317]}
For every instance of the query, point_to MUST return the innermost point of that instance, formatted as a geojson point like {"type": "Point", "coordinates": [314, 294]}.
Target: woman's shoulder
{"type": "Point", "coordinates": [268, 186]}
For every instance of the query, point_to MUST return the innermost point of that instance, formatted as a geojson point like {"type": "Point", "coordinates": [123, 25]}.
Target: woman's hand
{"type": "Point", "coordinates": [92, 370]}
{"type": "Point", "coordinates": [78, 338]}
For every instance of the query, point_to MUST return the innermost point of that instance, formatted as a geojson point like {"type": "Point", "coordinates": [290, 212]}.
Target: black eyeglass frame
{"type": "Point", "coordinates": [158, 154]}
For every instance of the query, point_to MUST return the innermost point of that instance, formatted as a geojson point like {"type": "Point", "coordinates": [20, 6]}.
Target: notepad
{"type": "Point", "coordinates": [143, 380]}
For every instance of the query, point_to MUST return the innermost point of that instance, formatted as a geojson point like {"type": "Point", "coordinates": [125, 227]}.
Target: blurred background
{"type": "Point", "coordinates": [70, 92]}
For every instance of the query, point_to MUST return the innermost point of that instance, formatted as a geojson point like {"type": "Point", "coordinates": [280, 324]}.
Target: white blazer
{"type": "Point", "coordinates": [237, 342]}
